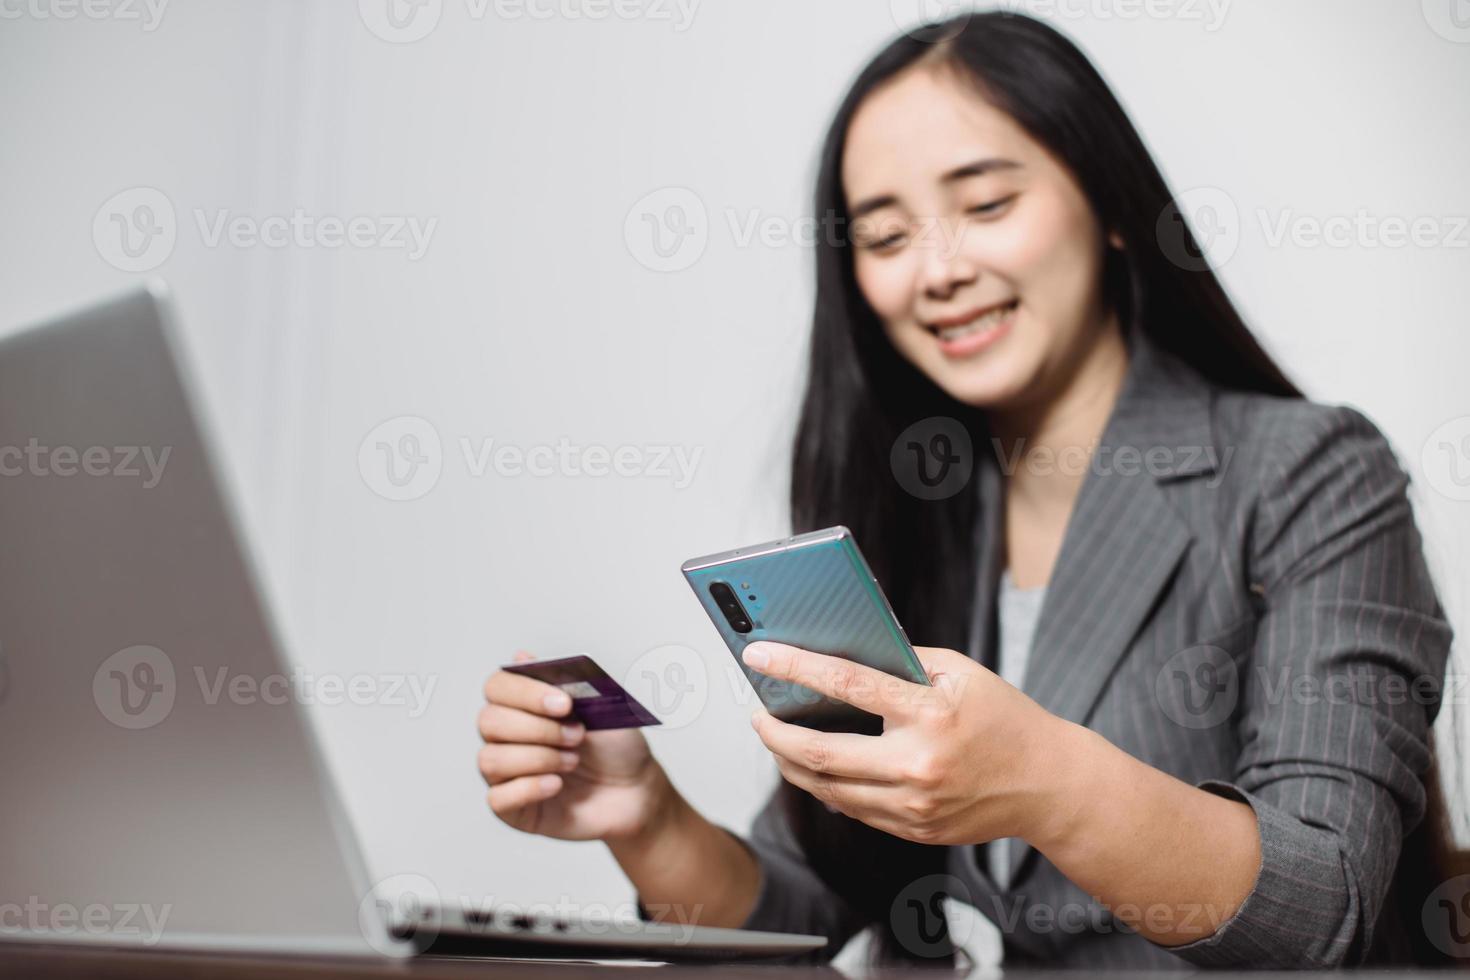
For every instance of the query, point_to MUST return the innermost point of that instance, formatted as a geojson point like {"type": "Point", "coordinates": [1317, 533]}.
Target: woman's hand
{"type": "Point", "coordinates": [548, 775]}
{"type": "Point", "coordinates": [968, 760]}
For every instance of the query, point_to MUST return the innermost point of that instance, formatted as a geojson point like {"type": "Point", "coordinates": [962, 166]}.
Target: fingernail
{"type": "Point", "coordinates": [556, 702]}
{"type": "Point", "coordinates": [755, 719]}
{"type": "Point", "coordinates": [550, 782]}
{"type": "Point", "coordinates": [755, 656]}
{"type": "Point", "coordinates": [570, 733]}
{"type": "Point", "coordinates": [568, 759]}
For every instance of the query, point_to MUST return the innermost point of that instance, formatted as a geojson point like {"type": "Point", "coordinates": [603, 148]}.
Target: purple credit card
{"type": "Point", "coordinates": [598, 701]}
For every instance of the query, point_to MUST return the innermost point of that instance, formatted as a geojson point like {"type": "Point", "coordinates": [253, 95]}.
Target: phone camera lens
{"type": "Point", "coordinates": [729, 604]}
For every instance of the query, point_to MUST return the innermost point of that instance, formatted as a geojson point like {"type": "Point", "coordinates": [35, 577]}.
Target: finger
{"type": "Point", "coordinates": [938, 660]}
{"type": "Point", "coordinates": [499, 723]}
{"type": "Point", "coordinates": [831, 753]}
{"type": "Point", "coordinates": [527, 693]}
{"type": "Point", "coordinates": [948, 671]}
{"type": "Point", "coordinates": [524, 657]}
{"type": "Point", "coordinates": [507, 798]}
{"type": "Point", "coordinates": [854, 797]}
{"type": "Point", "coordinates": [856, 684]}
{"type": "Point", "coordinates": [500, 763]}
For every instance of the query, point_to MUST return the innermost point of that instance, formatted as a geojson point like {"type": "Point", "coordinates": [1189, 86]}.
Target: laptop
{"type": "Point", "coordinates": [138, 809]}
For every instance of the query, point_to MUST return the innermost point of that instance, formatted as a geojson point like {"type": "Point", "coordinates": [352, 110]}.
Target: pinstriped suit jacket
{"type": "Point", "coordinates": [1240, 600]}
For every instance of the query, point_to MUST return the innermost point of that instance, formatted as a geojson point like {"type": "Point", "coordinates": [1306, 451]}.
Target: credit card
{"type": "Point", "coordinates": [598, 701]}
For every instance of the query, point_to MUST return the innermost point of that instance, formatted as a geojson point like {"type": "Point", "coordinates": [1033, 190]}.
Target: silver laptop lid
{"type": "Point", "coordinates": [142, 803]}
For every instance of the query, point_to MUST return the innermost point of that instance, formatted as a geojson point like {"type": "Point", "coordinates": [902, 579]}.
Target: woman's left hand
{"type": "Point", "coordinates": [966, 760]}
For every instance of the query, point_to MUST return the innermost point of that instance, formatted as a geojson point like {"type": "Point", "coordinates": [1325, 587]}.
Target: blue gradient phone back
{"type": "Point", "coordinates": [814, 591]}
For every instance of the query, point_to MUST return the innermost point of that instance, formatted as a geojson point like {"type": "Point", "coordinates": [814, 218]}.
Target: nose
{"type": "Point", "coordinates": [943, 266]}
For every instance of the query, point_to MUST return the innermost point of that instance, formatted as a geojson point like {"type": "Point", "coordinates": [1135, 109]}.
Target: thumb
{"type": "Point", "coordinates": [523, 657]}
{"type": "Point", "coordinates": [945, 667]}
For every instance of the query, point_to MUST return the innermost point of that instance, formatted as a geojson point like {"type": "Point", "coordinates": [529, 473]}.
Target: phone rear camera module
{"type": "Point", "coordinates": [729, 604]}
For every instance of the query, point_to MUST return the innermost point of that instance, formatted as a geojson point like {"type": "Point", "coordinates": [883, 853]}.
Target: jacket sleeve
{"type": "Point", "coordinates": [1336, 702]}
{"type": "Point", "coordinates": [792, 898]}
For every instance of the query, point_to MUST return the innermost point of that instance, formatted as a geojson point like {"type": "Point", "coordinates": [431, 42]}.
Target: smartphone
{"type": "Point", "coordinates": [813, 591]}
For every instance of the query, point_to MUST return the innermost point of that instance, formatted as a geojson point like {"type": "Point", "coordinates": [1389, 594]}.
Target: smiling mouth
{"type": "Point", "coordinates": [980, 322]}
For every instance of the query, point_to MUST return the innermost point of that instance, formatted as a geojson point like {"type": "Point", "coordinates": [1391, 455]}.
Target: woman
{"type": "Point", "coordinates": [1164, 546]}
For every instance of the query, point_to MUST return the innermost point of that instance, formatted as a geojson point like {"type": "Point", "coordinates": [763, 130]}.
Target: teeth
{"type": "Point", "coordinates": [989, 321]}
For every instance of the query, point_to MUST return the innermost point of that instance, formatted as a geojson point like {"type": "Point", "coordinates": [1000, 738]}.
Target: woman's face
{"type": "Point", "coordinates": [975, 247]}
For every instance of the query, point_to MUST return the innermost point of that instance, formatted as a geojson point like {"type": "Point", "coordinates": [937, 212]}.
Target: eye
{"type": "Point", "coordinates": [883, 244]}
{"type": "Point", "coordinates": [991, 207]}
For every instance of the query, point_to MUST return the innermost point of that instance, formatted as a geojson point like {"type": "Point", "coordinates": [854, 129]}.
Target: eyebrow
{"type": "Point", "coordinates": [974, 169]}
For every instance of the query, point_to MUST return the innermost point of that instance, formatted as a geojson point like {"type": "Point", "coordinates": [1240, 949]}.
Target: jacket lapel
{"type": "Point", "coordinates": [989, 548]}
{"type": "Point", "coordinates": [1122, 544]}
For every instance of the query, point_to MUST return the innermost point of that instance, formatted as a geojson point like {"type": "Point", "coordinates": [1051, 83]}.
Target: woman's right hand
{"type": "Point", "coordinates": [548, 775]}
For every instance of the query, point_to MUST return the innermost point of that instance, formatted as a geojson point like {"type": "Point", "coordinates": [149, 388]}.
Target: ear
{"type": "Point", "coordinates": [1115, 240]}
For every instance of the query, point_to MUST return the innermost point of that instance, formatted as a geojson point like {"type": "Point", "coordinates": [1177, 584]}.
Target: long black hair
{"type": "Point", "coordinates": [861, 394]}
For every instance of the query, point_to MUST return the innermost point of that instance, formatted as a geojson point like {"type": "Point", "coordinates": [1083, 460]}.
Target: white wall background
{"type": "Point", "coordinates": [530, 318]}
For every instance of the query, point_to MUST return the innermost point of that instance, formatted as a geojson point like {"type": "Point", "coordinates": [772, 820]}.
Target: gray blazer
{"type": "Point", "coordinates": [1240, 600]}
